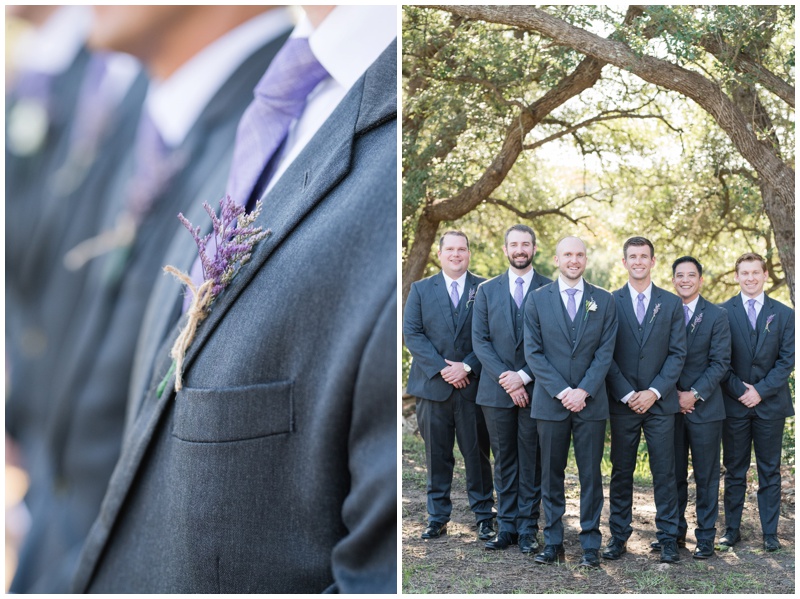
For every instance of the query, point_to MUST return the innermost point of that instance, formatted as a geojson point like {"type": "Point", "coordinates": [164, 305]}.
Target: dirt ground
{"type": "Point", "coordinates": [458, 562]}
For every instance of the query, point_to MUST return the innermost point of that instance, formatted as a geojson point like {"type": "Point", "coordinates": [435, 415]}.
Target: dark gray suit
{"type": "Point", "coordinates": [708, 341]}
{"type": "Point", "coordinates": [646, 355]}
{"type": "Point", "coordinates": [764, 358]}
{"type": "Point", "coordinates": [497, 341]}
{"type": "Point", "coordinates": [570, 353]}
{"type": "Point", "coordinates": [274, 468]}
{"type": "Point", "coordinates": [90, 389]}
{"type": "Point", "coordinates": [434, 331]}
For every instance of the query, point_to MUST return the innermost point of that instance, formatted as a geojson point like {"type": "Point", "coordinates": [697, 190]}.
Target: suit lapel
{"type": "Point", "coordinates": [500, 301]}
{"type": "Point", "coordinates": [624, 300]}
{"type": "Point", "coordinates": [583, 314]}
{"type": "Point", "coordinates": [445, 304]}
{"type": "Point", "coordinates": [741, 320]}
{"type": "Point", "coordinates": [653, 311]}
{"type": "Point", "coordinates": [557, 307]}
{"type": "Point", "coordinates": [465, 303]}
{"type": "Point", "coordinates": [761, 323]}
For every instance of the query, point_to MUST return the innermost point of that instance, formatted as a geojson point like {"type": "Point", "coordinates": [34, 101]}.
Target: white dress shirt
{"type": "Point", "coordinates": [51, 48]}
{"type": "Point", "coordinates": [692, 306]}
{"type": "Point", "coordinates": [460, 282]}
{"type": "Point", "coordinates": [758, 305]}
{"type": "Point", "coordinates": [175, 104]}
{"type": "Point", "coordinates": [346, 43]}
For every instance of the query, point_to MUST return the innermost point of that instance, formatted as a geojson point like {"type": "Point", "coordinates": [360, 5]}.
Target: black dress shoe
{"type": "Point", "coordinates": [656, 546]}
{"type": "Point", "coordinates": [528, 543]}
{"type": "Point", "coordinates": [550, 555]}
{"type": "Point", "coordinates": [486, 530]}
{"type": "Point", "coordinates": [435, 530]}
{"type": "Point", "coordinates": [729, 539]}
{"type": "Point", "coordinates": [669, 552]}
{"type": "Point", "coordinates": [704, 550]}
{"type": "Point", "coordinates": [589, 559]}
{"type": "Point", "coordinates": [502, 541]}
{"type": "Point", "coordinates": [615, 549]}
{"type": "Point", "coordinates": [771, 543]}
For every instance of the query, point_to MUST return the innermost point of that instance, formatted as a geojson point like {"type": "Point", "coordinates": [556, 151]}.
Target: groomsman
{"type": "Point", "coordinates": [570, 331]}
{"type": "Point", "coordinates": [642, 379]}
{"type": "Point", "coordinates": [757, 398]}
{"type": "Point", "coordinates": [698, 426]}
{"type": "Point", "coordinates": [504, 391]}
{"type": "Point", "coordinates": [437, 329]}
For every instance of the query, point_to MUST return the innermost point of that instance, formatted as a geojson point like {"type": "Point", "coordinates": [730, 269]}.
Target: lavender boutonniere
{"type": "Point", "coordinates": [234, 236]}
{"type": "Point", "coordinates": [697, 320]}
{"type": "Point", "coordinates": [655, 311]}
{"type": "Point", "coordinates": [471, 297]}
{"type": "Point", "coordinates": [770, 318]}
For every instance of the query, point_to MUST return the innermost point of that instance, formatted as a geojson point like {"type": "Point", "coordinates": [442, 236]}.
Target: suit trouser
{"type": "Point", "coordinates": [517, 468]}
{"type": "Point", "coordinates": [441, 424]}
{"type": "Point", "coordinates": [704, 441]}
{"type": "Point", "coordinates": [659, 434]}
{"type": "Point", "coordinates": [589, 439]}
{"type": "Point", "coordinates": [765, 437]}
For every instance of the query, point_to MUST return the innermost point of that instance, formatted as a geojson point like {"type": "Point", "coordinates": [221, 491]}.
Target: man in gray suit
{"type": "Point", "coordinates": [437, 330]}
{"type": "Point", "coordinates": [89, 384]}
{"type": "Point", "coordinates": [698, 426]}
{"type": "Point", "coordinates": [504, 391]}
{"type": "Point", "coordinates": [273, 469]}
{"type": "Point", "coordinates": [643, 397]}
{"type": "Point", "coordinates": [757, 398]}
{"type": "Point", "coordinates": [570, 332]}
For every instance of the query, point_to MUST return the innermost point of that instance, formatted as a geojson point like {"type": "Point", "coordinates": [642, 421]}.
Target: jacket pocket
{"type": "Point", "coordinates": [235, 413]}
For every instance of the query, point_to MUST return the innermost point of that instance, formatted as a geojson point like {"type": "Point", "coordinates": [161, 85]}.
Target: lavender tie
{"type": "Point", "coordinates": [518, 292]}
{"type": "Point", "coordinates": [640, 308]}
{"type": "Point", "coordinates": [454, 293]}
{"type": "Point", "coordinates": [571, 309]}
{"type": "Point", "coordinates": [751, 312]}
{"type": "Point", "coordinates": [686, 315]}
{"type": "Point", "coordinates": [279, 99]}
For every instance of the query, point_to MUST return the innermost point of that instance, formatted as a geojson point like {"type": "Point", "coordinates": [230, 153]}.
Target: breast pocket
{"type": "Point", "coordinates": [234, 414]}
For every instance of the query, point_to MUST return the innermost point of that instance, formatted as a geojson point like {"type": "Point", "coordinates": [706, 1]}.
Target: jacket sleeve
{"type": "Point", "coordinates": [595, 375]}
{"type": "Point", "coordinates": [719, 357]}
{"type": "Point", "coordinates": [540, 366]}
{"type": "Point", "coordinates": [776, 378]}
{"type": "Point", "coordinates": [667, 378]}
{"type": "Point", "coordinates": [482, 346]}
{"type": "Point", "coordinates": [422, 350]}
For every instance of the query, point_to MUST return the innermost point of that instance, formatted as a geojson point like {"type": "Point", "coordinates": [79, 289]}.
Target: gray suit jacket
{"type": "Point", "coordinates": [557, 363]}
{"type": "Point", "coordinates": [89, 393]}
{"type": "Point", "coordinates": [708, 357]}
{"type": "Point", "coordinates": [274, 469]}
{"type": "Point", "coordinates": [650, 354]}
{"type": "Point", "coordinates": [766, 364]}
{"type": "Point", "coordinates": [431, 336]}
{"type": "Point", "coordinates": [494, 340]}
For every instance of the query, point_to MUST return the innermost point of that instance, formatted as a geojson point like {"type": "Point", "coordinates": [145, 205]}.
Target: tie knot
{"type": "Point", "coordinates": [519, 281]}
{"type": "Point", "coordinates": [290, 77]}
{"type": "Point", "coordinates": [640, 297]}
{"type": "Point", "coordinates": [752, 303]}
{"type": "Point", "coordinates": [454, 286]}
{"type": "Point", "coordinates": [571, 292]}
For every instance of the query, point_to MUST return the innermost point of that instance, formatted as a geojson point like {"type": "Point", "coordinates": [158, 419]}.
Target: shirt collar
{"type": "Point", "coordinates": [635, 294]}
{"type": "Point", "coordinates": [759, 298]}
{"type": "Point", "coordinates": [460, 280]}
{"type": "Point", "coordinates": [562, 286]}
{"type": "Point", "coordinates": [51, 48]}
{"type": "Point", "coordinates": [693, 305]}
{"type": "Point", "coordinates": [350, 39]}
{"type": "Point", "coordinates": [174, 105]}
{"type": "Point", "coordinates": [526, 278]}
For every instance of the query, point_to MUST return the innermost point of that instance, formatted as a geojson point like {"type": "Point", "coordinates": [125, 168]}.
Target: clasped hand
{"type": "Point", "coordinates": [574, 400]}
{"type": "Point", "coordinates": [642, 401]}
{"type": "Point", "coordinates": [512, 383]}
{"type": "Point", "coordinates": [455, 374]}
{"type": "Point", "coordinates": [751, 397]}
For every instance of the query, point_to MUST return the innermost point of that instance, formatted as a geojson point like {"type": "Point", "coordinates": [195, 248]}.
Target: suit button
{"type": "Point", "coordinates": [641, 357]}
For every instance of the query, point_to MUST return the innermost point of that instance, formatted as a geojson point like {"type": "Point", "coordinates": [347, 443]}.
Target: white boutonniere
{"type": "Point", "coordinates": [697, 320]}
{"type": "Point", "coordinates": [769, 320]}
{"type": "Point", "coordinates": [591, 306]}
{"type": "Point", "coordinates": [655, 311]}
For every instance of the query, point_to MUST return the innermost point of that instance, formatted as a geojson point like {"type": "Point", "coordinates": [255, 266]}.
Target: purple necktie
{"type": "Point", "coordinates": [751, 312]}
{"type": "Point", "coordinates": [454, 293]}
{"type": "Point", "coordinates": [686, 316]}
{"type": "Point", "coordinates": [571, 308]}
{"type": "Point", "coordinates": [640, 308]}
{"type": "Point", "coordinates": [279, 99]}
{"type": "Point", "coordinates": [518, 292]}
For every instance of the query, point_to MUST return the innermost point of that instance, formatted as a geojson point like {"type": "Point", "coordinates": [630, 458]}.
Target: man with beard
{"type": "Point", "coordinates": [570, 332]}
{"type": "Point", "coordinates": [504, 391]}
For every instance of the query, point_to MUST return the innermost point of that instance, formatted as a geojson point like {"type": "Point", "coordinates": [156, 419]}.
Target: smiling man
{"type": "Point", "coordinates": [757, 398]}
{"type": "Point", "coordinates": [570, 332]}
{"type": "Point", "coordinates": [642, 379]}
{"type": "Point", "coordinates": [698, 425]}
{"type": "Point", "coordinates": [437, 330]}
{"type": "Point", "coordinates": [504, 391]}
